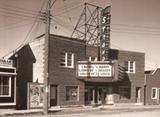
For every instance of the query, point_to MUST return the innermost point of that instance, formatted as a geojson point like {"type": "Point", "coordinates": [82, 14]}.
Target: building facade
{"type": "Point", "coordinates": [67, 56]}
{"type": "Point", "coordinates": [8, 78]}
{"type": "Point", "coordinates": [152, 87]}
{"type": "Point", "coordinates": [23, 61]}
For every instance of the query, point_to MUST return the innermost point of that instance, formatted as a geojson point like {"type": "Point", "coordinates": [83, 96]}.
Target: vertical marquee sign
{"type": "Point", "coordinates": [105, 33]}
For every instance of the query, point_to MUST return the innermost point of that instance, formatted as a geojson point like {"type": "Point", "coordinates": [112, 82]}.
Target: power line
{"type": "Point", "coordinates": [18, 8]}
{"type": "Point", "coordinates": [134, 32]}
{"type": "Point", "coordinates": [71, 8]}
{"type": "Point", "coordinates": [9, 28]}
{"type": "Point", "coordinates": [17, 14]}
{"type": "Point", "coordinates": [15, 17]}
{"type": "Point", "coordinates": [136, 26]}
{"type": "Point", "coordinates": [34, 23]}
{"type": "Point", "coordinates": [25, 39]}
{"type": "Point", "coordinates": [134, 29]}
{"type": "Point", "coordinates": [17, 11]}
{"type": "Point", "coordinates": [58, 20]}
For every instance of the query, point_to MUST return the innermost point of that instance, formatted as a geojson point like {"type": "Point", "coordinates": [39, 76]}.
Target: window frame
{"type": "Point", "coordinates": [9, 95]}
{"type": "Point", "coordinates": [156, 93]}
{"type": "Point", "coordinates": [128, 67]}
{"type": "Point", "coordinates": [90, 58]}
{"type": "Point", "coordinates": [66, 58]}
{"type": "Point", "coordinates": [77, 96]}
{"type": "Point", "coordinates": [122, 97]}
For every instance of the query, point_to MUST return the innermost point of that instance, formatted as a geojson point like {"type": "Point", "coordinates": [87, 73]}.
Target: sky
{"type": "Point", "coordinates": [135, 24]}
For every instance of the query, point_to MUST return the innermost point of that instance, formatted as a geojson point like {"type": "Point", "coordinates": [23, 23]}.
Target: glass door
{"type": "Point", "coordinates": [109, 97]}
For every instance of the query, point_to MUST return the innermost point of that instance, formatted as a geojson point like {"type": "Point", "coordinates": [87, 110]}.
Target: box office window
{"type": "Point", "coordinates": [130, 66]}
{"type": "Point", "coordinates": [67, 59]}
{"type": "Point", "coordinates": [124, 92]}
{"type": "Point", "coordinates": [5, 86]}
{"type": "Point", "coordinates": [72, 93]}
{"type": "Point", "coordinates": [154, 93]}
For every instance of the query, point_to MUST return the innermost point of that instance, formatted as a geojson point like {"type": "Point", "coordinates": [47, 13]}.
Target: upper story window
{"type": "Point", "coordinates": [67, 60]}
{"type": "Point", "coordinates": [130, 66]}
{"type": "Point", "coordinates": [5, 86]}
{"type": "Point", "coordinates": [92, 58]}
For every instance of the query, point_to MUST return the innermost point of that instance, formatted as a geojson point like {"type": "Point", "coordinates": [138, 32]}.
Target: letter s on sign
{"type": "Point", "coordinates": [104, 20]}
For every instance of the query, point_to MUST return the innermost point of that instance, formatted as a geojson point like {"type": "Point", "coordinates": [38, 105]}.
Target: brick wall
{"type": "Point", "coordinates": [62, 76]}
{"type": "Point", "coordinates": [133, 80]}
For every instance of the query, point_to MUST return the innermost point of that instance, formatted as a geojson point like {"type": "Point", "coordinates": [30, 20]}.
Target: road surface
{"type": "Point", "coordinates": [103, 113]}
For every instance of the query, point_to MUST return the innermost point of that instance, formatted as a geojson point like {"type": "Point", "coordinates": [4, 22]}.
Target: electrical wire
{"type": "Point", "coordinates": [17, 11]}
{"type": "Point", "coordinates": [16, 14]}
{"type": "Point", "coordinates": [25, 39]}
{"type": "Point", "coordinates": [18, 8]}
{"type": "Point", "coordinates": [66, 10]}
{"type": "Point", "coordinates": [135, 33]}
{"type": "Point", "coordinates": [15, 26]}
{"type": "Point", "coordinates": [135, 26]}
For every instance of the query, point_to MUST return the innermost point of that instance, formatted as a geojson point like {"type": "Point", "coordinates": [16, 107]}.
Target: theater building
{"type": "Point", "coordinates": [152, 87]}
{"type": "Point", "coordinates": [77, 77]}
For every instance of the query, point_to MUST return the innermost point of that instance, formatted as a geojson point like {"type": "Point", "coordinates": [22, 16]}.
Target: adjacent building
{"type": "Point", "coordinates": [152, 87]}
{"type": "Point", "coordinates": [15, 74]}
{"type": "Point", "coordinates": [8, 78]}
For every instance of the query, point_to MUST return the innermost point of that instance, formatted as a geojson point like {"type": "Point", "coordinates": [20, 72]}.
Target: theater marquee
{"type": "Point", "coordinates": [94, 70]}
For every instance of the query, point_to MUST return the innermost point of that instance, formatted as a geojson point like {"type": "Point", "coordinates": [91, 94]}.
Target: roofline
{"type": "Point", "coordinates": [127, 51]}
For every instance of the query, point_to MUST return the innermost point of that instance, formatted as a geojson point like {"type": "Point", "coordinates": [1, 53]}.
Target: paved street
{"type": "Point", "coordinates": [115, 111]}
{"type": "Point", "coordinates": [103, 113]}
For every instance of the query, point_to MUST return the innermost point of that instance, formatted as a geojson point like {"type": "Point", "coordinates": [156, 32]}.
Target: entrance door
{"type": "Point", "coordinates": [109, 97]}
{"type": "Point", "coordinates": [92, 95]}
{"type": "Point", "coordinates": [53, 95]}
{"type": "Point", "coordinates": [138, 94]}
{"type": "Point", "coordinates": [100, 95]}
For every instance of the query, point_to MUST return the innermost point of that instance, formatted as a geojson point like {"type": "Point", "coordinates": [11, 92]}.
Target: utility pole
{"type": "Point", "coordinates": [46, 58]}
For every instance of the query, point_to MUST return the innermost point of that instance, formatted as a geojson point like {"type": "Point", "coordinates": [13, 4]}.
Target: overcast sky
{"type": "Point", "coordinates": [135, 24]}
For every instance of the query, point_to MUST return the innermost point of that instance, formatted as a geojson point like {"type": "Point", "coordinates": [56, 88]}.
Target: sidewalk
{"type": "Point", "coordinates": [57, 110]}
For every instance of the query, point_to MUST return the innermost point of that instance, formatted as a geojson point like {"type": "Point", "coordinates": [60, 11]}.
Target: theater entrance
{"type": "Point", "coordinates": [98, 95]}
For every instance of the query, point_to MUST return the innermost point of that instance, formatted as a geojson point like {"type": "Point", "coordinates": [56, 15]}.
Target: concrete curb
{"type": "Point", "coordinates": [21, 112]}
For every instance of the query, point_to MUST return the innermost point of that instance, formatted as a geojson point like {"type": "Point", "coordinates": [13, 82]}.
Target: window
{"type": "Point", "coordinates": [154, 93]}
{"type": "Point", "coordinates": [67, 60]}
{"type": "Point", "coordinates": [72, 93]}
{"type": "Point", "coordinates": [129, 66]}
{"type": "Point", "coordinates": [5, 86]}
{"type": "Point", "coordinates": [124, 92]}
{"type": "Point", "coordinates": [92, 58]}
